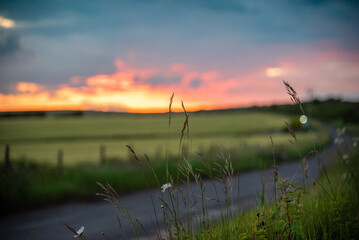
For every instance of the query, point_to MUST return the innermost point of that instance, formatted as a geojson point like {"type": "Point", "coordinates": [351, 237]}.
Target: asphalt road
{"type": "Point", "coordinates": [100, 217]}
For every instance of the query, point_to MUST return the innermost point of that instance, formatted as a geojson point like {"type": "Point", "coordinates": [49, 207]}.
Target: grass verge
{"type": "Point", "coordinates": [328, 210]}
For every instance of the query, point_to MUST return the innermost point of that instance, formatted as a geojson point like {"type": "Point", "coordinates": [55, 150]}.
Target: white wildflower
{"type": "Point", "coordinates": [165, 187]}
{"type": "Point", "coordinates": [355, 141]}
{"type": "Point", "coordinates": [338, 140]}
{"type": "Point", "coordinates": [341, 131]}
{"type": "Point", "coordinates": [79, 232]}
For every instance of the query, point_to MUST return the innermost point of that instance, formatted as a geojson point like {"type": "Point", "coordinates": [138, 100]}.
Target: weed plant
{"type": "Point", "coordinates": [329, 210]}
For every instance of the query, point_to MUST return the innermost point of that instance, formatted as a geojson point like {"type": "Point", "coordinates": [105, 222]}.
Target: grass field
{"type": "Point", "coordinates": [40, 139]}
{"type": "Point", "coordinates": [35, 180]}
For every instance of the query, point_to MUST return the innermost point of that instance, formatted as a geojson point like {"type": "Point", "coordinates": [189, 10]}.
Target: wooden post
{"type": "Point", "coordinates": [102, 155]}
{"type": "Point", "coordinates": [60, 160]}
{"type": "Point", "coordinates": [7, 157]}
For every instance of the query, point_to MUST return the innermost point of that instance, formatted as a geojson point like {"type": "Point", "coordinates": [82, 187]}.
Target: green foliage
{"type": "Point", "coordinates": [289, 211]}
{"type": "Point", "coordinates": [329, 210]}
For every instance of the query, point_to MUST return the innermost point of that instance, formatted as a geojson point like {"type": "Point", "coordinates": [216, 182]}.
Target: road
{"type": "Point", "coordinates": [100, 217]}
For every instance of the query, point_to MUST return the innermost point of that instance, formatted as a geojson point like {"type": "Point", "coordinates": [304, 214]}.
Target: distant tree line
{"type": "Point", "coordinates": [330, 110]}
{"type": "Point", "coordinates": [41, 114]}
{"type": "Point", "coordinates": [325, 110]}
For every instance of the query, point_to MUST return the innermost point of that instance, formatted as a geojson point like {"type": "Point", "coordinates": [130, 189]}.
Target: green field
{"type": "Point", "coordinates": [34, 180]}
{"type": "Point", "coordinates": [80, 138]}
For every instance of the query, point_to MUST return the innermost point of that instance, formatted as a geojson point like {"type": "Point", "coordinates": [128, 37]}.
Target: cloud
{"type": "Point", "coordinates": [9, 44]}
{"type": "Point", "coordinates": [274, 72]}
{"type": "Point", "coordinates": [325, 73]}
{"type": "Point", "coordinates": [25, 87]}
{"type": "Point", "coordinates": [78, 80]}
{"type": "Point", "coordinates": [178, 67]}
{"type": "Point", "coordinates": [6, 23]}
{"type": "Point", "coordinates": [40, 9]}
{"type": "Point", "coordinates": [120, 91]}
{"type": "Point", "coordinates": [72, 39]}
{"type": "Point", "coordinates": [196, 83]}
{"type": "Point", "coordinates": [43, 23]}
{"type": "Point", "coordinates": [162, 80]}
{"type": "Point", "coordinates": [147, 89]}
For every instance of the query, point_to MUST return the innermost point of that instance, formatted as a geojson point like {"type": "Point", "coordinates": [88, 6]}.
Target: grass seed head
{"type": "Point", "coordinates": [293, 95]}
{"type": "Point", "coordinates": [291, 131]}
{"type": "Point", "coordinates": [134, 156]}
{"type": "Point", "coordinates": [170, 110]}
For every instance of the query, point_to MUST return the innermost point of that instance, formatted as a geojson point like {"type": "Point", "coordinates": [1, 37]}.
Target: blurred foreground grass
{"type": "Point", "coordinates": [328, 210]}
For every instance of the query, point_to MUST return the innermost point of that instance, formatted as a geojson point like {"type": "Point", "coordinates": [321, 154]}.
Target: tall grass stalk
{"type": "Point", "coordinates": [295, 99]}
{"type": "Point", "coordinates": [292, 216]}
{"type": "Point", "coordinates": [183, 151]}
{"type": "Point", "coordinates": [275, 170]}
{"type": "Point", "coordinates": [168, 133]}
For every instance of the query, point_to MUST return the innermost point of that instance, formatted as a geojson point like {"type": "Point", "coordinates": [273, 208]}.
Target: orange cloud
{"type": "Point", "coordinates": [129, 89]}
{"type": "Point", "coordinates": [144, 89]}
{"type": "Point", "coordinates": [77, 80]}
{"type": "Point", "coordinates": [26, 87]}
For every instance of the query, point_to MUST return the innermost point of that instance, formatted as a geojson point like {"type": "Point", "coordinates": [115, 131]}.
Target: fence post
{"type": "Point", "coordinates": [60, 160]}
{"type": "Point", "coordinates": [7, 157]}
{"type": "Point", "coordinates": [102, 154]}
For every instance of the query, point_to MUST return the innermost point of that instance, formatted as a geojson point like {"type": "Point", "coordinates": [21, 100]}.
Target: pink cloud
{"type": "Point", "coordinates": [326, 72]}
{"type": "Point", "coordinates": [131, 88]}
{"type": "Point", "coordinates": [26, 87]}
{"type": "Point", "coordinates": [178, 67]}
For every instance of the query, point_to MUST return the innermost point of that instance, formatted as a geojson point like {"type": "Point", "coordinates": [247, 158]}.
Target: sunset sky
{"type": "Point", "coordinates": [132, 55]}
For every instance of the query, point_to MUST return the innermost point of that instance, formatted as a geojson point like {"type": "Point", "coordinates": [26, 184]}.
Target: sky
{"type": "Point", "coordinates": [131, 55]}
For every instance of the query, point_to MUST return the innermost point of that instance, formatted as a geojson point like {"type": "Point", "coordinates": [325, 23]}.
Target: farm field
{"type": "Point", "coordinates": [80, 138]}
{"type": "Point", "coordinates": [36, 179]}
